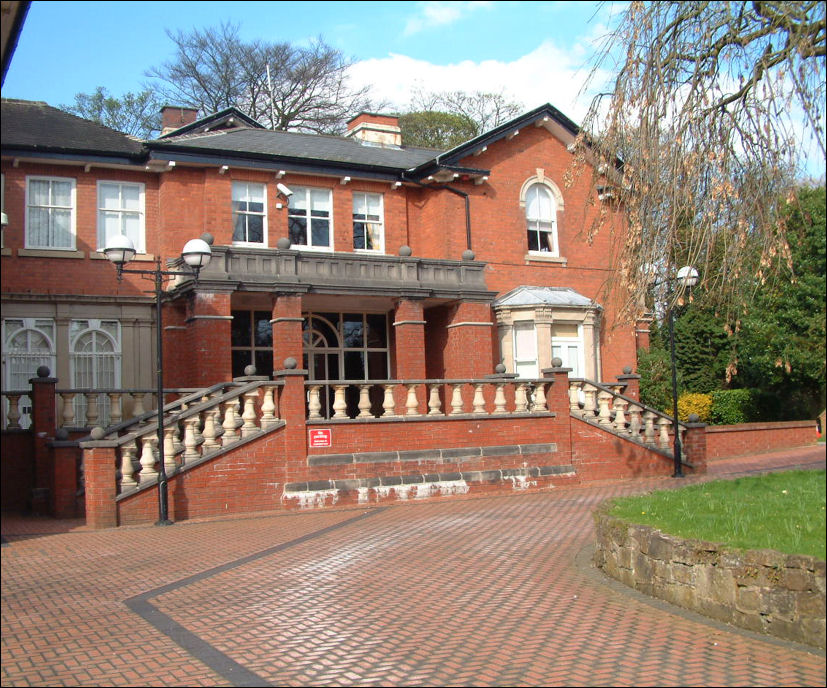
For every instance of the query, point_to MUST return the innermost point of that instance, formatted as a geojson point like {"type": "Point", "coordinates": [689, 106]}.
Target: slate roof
{"type": "Point", "coordinates": [37, 127]}
{"type": "Point", "coordinates": [263, 143]}
{"type": "Point", "coordinates": [544, 296]}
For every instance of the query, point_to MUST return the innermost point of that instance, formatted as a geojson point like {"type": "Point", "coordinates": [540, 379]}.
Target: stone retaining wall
{"type": "Point", "coordinates": [761, 590]}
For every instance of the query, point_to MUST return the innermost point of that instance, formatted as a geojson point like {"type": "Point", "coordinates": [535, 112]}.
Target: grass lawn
{"type": "Point", "coordinates": [782, 511]}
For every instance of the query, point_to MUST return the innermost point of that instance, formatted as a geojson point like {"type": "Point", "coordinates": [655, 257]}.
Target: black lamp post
{"type": "Point", "coordinates": [197, 253]}
{"type": "Point", "coordinates": [687, 277]}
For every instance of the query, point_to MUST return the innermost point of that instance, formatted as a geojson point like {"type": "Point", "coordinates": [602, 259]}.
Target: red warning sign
{"type": "Point", "coordinates": [321, 438]}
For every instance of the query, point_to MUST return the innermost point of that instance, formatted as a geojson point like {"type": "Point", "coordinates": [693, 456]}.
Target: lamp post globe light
{"type": "Point", "coordinates": [686, 278]}
{"type": "Point", "coordinates": [196, 254]}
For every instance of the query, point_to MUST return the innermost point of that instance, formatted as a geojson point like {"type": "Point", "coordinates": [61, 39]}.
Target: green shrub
{"type": "Point", "coordinates": [732, 406]}
{"type": "Point", "coordinates": [691, 402]}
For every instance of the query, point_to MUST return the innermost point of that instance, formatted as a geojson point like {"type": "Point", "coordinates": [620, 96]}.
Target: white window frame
{"type": "Point", "coordinates": [307, 192]}
{"type": "Point", "coordinates": [577, 341]}
{"type": "Point", "coordinates": [534, 224]}
{"type": "Point", "coordinates": [138, 241]}
{"type": "Point", "coordinates": [94, 326]}
{"type": "Point", "coordinates": [37, 359]}
{"type": "Point", "coordinates": [29, 244]}
{"type": "Point", "coordinates": [238, 184]}
{"type": "Point", "coordinates": [378, 226]}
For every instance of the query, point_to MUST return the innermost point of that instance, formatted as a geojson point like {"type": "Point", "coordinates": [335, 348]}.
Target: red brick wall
{"type": "Point", "coordinates": [747, 438]}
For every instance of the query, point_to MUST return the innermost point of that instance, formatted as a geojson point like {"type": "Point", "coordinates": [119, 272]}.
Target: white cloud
{"type": "Point", "coordinates": [439, 14]}
{"type": "Point", "coordinates": [547, 74]}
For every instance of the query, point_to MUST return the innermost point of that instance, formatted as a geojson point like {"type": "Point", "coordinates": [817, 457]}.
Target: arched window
{"type": "Point", "coordinates": [95, 362]}
{"type": "Point", "coordinates": [28, 343]}
{"type": "Point", "coordinates": [541, 219]}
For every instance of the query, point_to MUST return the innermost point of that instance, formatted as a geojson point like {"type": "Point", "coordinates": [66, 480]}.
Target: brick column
{"type": "Point", "coordinates": [557, 400]}
{"type": "Point", "coordinates": [43, 428]}
{"type": "Point", "coordinates": [99, 459]}
{"type": "Point", "coordinates": [208, 334]}
{"type": "Point", "coordinates": [65, 481]}
{"type": "Point", "coordinates": [409, 337]}
{"type": "Point", "coordinates": [287, 329]}
{"type": "Point", "coordinates": [469, 350]}
{"type": "Point", "coordinates": [632, 382]}
{"type": "Point", "coordinates": [292, 412]}
{"type": "Point", "coordinates": [694, 447]}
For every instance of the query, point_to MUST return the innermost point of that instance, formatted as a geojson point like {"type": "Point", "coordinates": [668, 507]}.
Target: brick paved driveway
{"type": "Point", "coordinates": [488, 591]}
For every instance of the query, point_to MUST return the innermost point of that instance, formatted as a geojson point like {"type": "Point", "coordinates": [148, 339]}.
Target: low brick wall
{"type": "Point", "coordinates": [747, 438]}
{"type": "Point", "coordinates": [762, 590]}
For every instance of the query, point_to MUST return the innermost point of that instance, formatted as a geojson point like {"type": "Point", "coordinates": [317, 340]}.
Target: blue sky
{"type": "Point", "coordinates": [534, 52]}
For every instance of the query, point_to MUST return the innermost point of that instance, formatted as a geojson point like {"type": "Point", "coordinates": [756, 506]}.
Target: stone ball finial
{"type": "Point", "coordinates": [284, 243]}
{"type": "Point", "coordinates": [556, 362]}
{"type": "Point", "coordinates": [405, 251]}
{"type": "Point", "coordinates": [43, 371]}
{"type": "Point", "coordinates": [290, 363]}
{"type": "Point", "coordinates": [97, 433]}
{"type": "Point", "coordinates": [694, 418]}
{"type": "Point", "coordinates": [468, 254]}
{"type": "Point", "coordinates": [208, 238]}
{"type": "Point", "coordinates": [62, 434]}
{"type": "Point", "coordinates": [499, 369]}
{"type": "Point", "coordinates": [250, 370]}
{"type": "Point", "coordinates": [627, 370]}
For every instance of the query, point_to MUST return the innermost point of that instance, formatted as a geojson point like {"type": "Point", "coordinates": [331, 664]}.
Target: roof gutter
{"type": "Point", "coordinates": [453, 191]}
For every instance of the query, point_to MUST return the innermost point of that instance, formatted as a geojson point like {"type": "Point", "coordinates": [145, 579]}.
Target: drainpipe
{"type": "Point", "coordinates": [458, 193]}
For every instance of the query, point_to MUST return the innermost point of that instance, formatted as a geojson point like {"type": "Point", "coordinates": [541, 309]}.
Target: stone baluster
{"type": "Point", "coordinates": [138, 404]}
{"type": "Point", "coordinates": [230, 434]}
{"type": "Point", "coordinates": [604, 417]}
{"type": "Point", "coordinates": [411, 402]}
{"type": "Point", "coordinates": [91, 410]}
{"type": "Point", "coordinates": [170, 465]}
{"type": "Point", "coordinates": [190, 440]}
{"type": "Point", "coordinates": [13, 415]}
{"type": "Point", "coordinates": [434, 402]}
{"type": "Point", "coordinates": [499, 399]}
{"type": "Point", "coordinates": [364, 402]}
{"type": "Point", "coordinates": [209, 434]}
{"type": "Point", "coordinates": [634, 421]}
{"type": "Point", "coordinates": [339, 403]}
{"type": "Point", "coordinates": [649, 427]}
{"type": "Point", "coordinates": [239, 421]}
{"type": "Point", "coordinates": [68, 414]}
{"type": "Point", "coordinates": [388, 403]}
{"type": "Point", "coordinates": [148, 471]}
{"type": "Point", "coordinates": [314, 403]}
{"type": "Point", "coordinates": [456, 400]}
{"type": "Point", "coordinates": [620, 405]}
{"type": "Point", "coordinates": [520, 398]}
{"type": "Point", "coordinates": [540, 405]}
{"type": "Point", "coordinates": [590, 401]}
{"type": "Point", "coordinates": [268, 408]}
{"type": "Point", "coordinates": [575, 386]}
{"type": "Point", "coordinates": [663, 435]}
{"type": "Point", "coordinates": [478, 403]}
{"type": "Point", "coordinates": [250, 416]}
{"type": "Point", "coordinates": [115, 410]}
{"type": "Point", "coordinates": [128, 481]}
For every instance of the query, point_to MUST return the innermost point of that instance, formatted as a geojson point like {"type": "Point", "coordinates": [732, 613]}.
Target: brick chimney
{"type": "Point", "coordinates": [174, 117]}
{"type": "Point", "coordinates": [375, 130]}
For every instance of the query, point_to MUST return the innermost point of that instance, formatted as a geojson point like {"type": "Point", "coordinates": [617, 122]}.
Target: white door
{"type": "Point", "coordinates": [525, 350]}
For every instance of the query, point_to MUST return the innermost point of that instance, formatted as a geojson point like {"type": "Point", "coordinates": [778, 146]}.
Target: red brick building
{"type": "Point", "coordinates": [400, 281]}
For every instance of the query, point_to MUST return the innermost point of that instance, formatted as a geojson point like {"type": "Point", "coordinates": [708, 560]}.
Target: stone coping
{"type": "Point", "coordinates": [765, 591]}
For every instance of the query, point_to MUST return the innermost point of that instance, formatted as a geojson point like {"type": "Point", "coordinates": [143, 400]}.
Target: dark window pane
{"type": "Point", "coordinates": [297, 228]}
{"type": "Point", "coordinates": [264, 362]}
{"type": "Point", "coordinates": [255, 229]}
{"type": "Point", "coordinates": [533, 241]}
{"type": "Point", "coordinates": [240, 332]}
{"type": "Point", "coordinates": [377, 365]}
{"type": "Point", "coordinates": [238, 228]}
{"type": "Point", "coordinates": [358, 235]}
{"type": "Point", "coordinates": [377, 330]}
{"type": "Point", "coordinates": [354, 365]}
{"type": "Point", "coordinates": [353, 330]}
{"type": "Point", "coordinates": [321, 232]}
{"type": "Point", "coordinates": [264, 330]}
{"type": "Point", "coordinates": [241, 359]}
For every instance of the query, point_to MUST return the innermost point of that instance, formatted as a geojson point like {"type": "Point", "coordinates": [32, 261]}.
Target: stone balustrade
{"type": "Point", "coordinates": [397, 399]}
{"type": "Point", "coordinates": [195, 427]}
{"type": "Point", "coordinates": [606, 406]}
